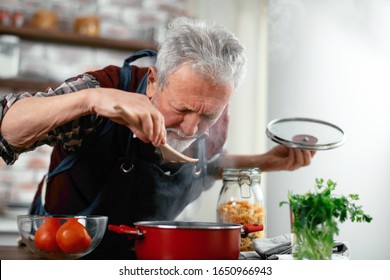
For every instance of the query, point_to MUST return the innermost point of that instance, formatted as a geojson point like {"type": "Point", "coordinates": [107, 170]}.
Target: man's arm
{"type": "Point", "coordinates": [28, 119]}
{"type": "Point", "coordinates": [277, 159]}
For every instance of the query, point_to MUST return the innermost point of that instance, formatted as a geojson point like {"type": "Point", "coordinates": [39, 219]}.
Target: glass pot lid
{"type": "Point", "coordinates": [305, 133]}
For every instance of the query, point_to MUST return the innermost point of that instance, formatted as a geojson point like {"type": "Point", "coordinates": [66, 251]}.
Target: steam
{"type": "Point", "coordinates": [284, 24]}
{"type": "Point", "coordinates": [290, 21]}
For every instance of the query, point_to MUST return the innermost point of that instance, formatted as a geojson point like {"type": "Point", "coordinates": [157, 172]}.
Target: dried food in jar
{"type": "Point", "coordinates": [242, 212]}
{"type": "Point", "coordinates": [44, 19]}
{"type": "Point", "coordinates": [87, 25]}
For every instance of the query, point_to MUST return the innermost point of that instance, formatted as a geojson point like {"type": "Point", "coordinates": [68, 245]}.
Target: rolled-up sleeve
{"type": "Point", "coordinates": [70, 134]}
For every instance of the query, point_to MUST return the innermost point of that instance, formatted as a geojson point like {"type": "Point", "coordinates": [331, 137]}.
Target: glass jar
{"type": "Point", "coordinates": [87, 20]}
{"type": "Point", "coordinates": [241, 201]}
{"type": "Point", "coordinates": [9, 56]}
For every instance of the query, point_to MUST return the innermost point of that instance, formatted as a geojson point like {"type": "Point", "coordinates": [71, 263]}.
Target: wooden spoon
{"type": "Point", "coordinates": [168, 153]}
{"type": "Point", "coordinates": [171, 155]}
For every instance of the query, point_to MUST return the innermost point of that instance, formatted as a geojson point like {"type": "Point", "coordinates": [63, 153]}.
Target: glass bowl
{"type": "Point", "coordinates": [61, 237]}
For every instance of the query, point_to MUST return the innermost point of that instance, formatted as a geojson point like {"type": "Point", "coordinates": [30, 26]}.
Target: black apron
{"type": "Point", "coordinates": [137, 186]}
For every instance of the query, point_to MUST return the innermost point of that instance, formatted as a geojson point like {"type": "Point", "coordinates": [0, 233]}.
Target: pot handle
{"type": "Point", "coordinates": [123, 229]}
{"type": "Point", "coordinates": [248, 228]}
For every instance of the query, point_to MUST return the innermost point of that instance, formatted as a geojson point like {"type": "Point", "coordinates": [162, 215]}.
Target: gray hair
{"type": "Point", "coordinates": [211, 49]}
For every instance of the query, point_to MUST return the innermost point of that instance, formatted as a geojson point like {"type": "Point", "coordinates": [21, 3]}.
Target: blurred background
{"type": "Point", "coordinates": [323, 59]}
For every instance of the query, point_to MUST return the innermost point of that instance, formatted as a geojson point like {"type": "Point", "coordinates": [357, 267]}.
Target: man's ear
{"type": "Point", "coordinates": [151, 88]}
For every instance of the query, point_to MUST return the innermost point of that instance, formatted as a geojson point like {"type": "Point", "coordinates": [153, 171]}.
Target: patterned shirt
{"type": "Point", "coordinates": [70, 134]}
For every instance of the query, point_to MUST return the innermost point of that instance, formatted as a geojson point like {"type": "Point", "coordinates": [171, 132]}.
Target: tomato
{"type": "Point", "coordinates": [45, 237]}
{"type": "Point", "coordinates": [73, 237]}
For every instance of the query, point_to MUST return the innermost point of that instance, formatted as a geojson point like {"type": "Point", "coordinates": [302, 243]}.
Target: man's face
{"type": "Point", "coordinates": [190, 104]}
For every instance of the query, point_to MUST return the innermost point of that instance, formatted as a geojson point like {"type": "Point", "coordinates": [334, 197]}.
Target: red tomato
{"type": "Point", "coordinates": [73, 237]}
{"type": "Point", "coordinates": [45, 237]}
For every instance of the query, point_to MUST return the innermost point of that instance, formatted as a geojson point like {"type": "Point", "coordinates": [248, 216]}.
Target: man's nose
{"type": "Point", "coordinates": [190, 124]}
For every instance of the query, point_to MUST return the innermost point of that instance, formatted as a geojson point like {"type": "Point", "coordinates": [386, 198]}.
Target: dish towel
{"type": "Point", "coordinates": [269, 247]}
{"type": "Point", "coordinates": [279, 248]}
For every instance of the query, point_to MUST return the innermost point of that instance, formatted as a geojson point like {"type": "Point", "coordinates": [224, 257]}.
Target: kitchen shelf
{"type": "Point", "coordinates": [66, 38]}
{"type": "Point", "coordinates": [20, 84]}
{"type": "Point", "coordinates": [70, 38]}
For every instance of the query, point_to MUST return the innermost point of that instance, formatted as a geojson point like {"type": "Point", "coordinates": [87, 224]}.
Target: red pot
{"type": "Point", "coordinates": [158, 240]}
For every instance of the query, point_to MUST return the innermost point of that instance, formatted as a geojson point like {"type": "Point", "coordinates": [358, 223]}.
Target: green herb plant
{"type": "Point", "coordinates": [315, 217]}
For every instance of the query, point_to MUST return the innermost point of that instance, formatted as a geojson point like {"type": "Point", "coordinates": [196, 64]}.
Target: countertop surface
{"type": "Point", "coordinates": [16, 253]}
{"type": "Point", "coordinates": [24, 253]}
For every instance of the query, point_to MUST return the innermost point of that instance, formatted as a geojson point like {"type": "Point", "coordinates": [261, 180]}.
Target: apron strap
{"type": "Point", "coordinates": [125, 72]}
{"type": "Point", "coordinates": [125, 76]}
{"type": "Point", "coordinates": [201, 166]}
{"type": "Point", "coordinates": [131, 153]}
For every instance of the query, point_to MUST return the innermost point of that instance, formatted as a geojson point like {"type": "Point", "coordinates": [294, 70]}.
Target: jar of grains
{"type": "Point", "coordinates": [241, 201]}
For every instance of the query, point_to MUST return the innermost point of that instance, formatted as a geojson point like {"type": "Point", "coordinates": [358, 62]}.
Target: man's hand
{"type": "Point", "coordinates": [277, 159]}
{"type": "Point", "coordinates": [132, 110]}
{"type": "Point", "coordinates": [283, 158]}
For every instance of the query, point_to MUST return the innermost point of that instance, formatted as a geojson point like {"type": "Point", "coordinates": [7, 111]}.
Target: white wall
{"type": "Point", "coordinates": [331, 60]}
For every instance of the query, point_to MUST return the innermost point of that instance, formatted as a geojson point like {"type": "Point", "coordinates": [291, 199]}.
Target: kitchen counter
{"type": "Point", "coordinates": [23, 253]}
{"type": "Point", "coordinates": [16, 253]}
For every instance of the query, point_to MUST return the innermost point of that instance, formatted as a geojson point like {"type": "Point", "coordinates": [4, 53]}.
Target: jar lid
{"type": "Point", "coordinates": [233, 174]}
{"type": "Point", "coordinates": [305, 133]}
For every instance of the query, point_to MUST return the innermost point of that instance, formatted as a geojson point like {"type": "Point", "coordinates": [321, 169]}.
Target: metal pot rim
{"type": "Point", "coordinates": [187, 225]}
{"type": "Point", "coordinates": [274, 132]}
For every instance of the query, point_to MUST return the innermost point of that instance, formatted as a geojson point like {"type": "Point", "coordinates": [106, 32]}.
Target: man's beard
{"type": "Point", "coordinates": [181, 143]}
